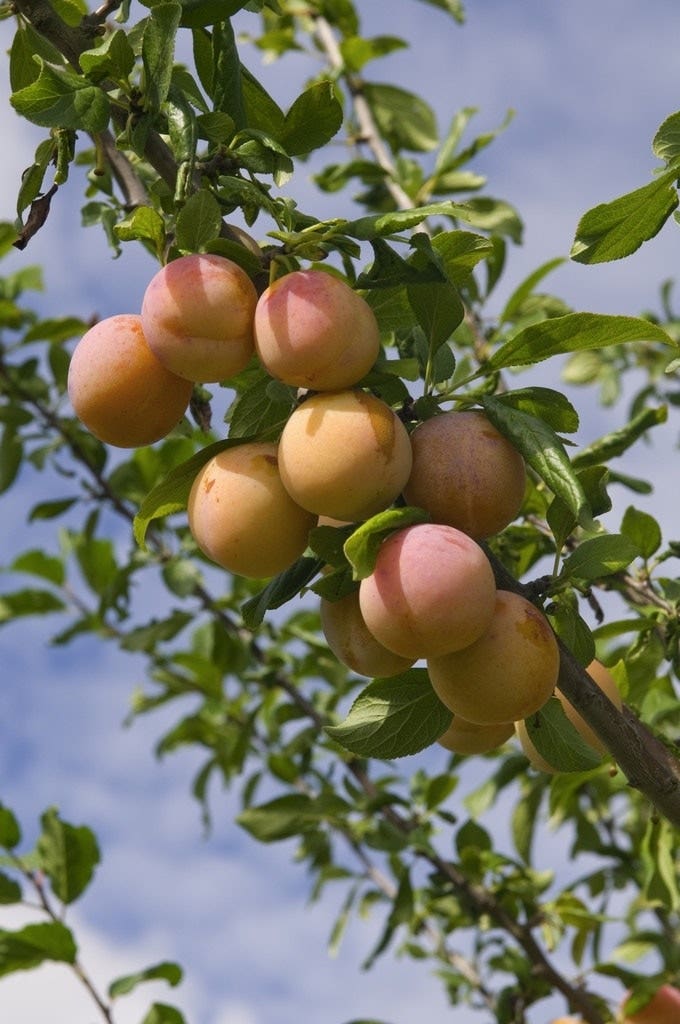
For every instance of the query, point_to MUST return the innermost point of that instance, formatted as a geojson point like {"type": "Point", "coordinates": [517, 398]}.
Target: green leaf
{"type": "Point", "coordinates": [391, 223]}
{"type": "Point", "coordinates": [10, 833]}
{"type": "Point", "coordinates": [666, 142]}
{"type": "Point", "coordinates": [38, 563]}
{"type": "Point", "coordinates": [281, 589]}
{"type": "Point", "coordinates": [199, 222]}
{"type": "Point", "coordinates": [642, 530]}
{"type": "Point", "coordinates": [525, 818]}
{"type": "Point", "coordinates": [172, 493]}
{"type": "Point", "coordinates": [197, 13]}
{"type": "Point", "coordinates": [361, 548]}
{"type": "Point", "coordinates": [457, 10]}
{"type": "Point", "coordinates": [165, 971]}
{"type": "Point", "coordinates": [113, 58]}
{"type": "Point", "coordinates": [261, 110]}
{"type": "Point", "coordinates": [10, 890]}
{"type": "Point", "coordinates": [439, 311]}
{"type": "Point", "coordinates": [158, 52]}
{"type": "Point", "coordinates": [616, 229]}
{"type": "Point", "coordinates": [51, 509]}
{"type": "Point", "coordinates": [546, 404]}
{"type": "Point", "coordinates": [28, 602]}
{"type": "Point", "coordinates": [26, 46]}
{"type": "Point", "coordinates": [34, 944]}
{"type": "Point", "coordinates": [544, 452]}
{"type": "Point", "coordinates": [61, 99]}
{"type": "Point", "coordinates": [358, 51]}
{"type": "Point", "coordinates": [312, 121]}
{"type": "Point", "coordinates": [263, 408]}
{"type": "Point", "coordinates": [11, 455]}
{"type": "Point", "coordinates": [227, 78]}
{"type": "Point", "coordinates": [289, 815]}
{"type": "Point", "coordinates": [162, 1013]}
{"type": "Point", "coordinates": [657, 853]}
{"type": "Point", "coordinates": [572, 333]}
{"type": "Point", "coordinates": [143, 224]}
{"type": "Point", "coordinates": [558, 742]}
{"type": "Point", "coordinates": [393, 717]}
{"type": "Point", "coordinates": [514, 304]}
{"type": "Point", "coordinates": [599, 556]}
{"type": "Point", "coordinates": [619, 441]}
{"type": "Point", "coordinates": [68, 855]}
{"type": "Point", "coordinates": [460, 252]}
{"type": "Point", "coordinates": [404, 120]}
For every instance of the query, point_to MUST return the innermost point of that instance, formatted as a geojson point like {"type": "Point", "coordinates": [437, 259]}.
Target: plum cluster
{"type": "Point", "coordinates": [343, 456]}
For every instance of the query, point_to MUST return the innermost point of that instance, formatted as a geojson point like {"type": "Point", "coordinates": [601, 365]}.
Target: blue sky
{"type": "Point", "coordinates": [589, 83]}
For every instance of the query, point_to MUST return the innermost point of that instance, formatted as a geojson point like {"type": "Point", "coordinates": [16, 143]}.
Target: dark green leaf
{"type": "Point", "coordinates": [26, 46]}
{"type": "Point", "coordinates": [393, 717]}
{"type": "Point", "coordinates": [263, 408]}
{"type": "Point", "coordinates": [439, 311]}
{"type": "Point", "coordinates": [457, 10]}
{"type": "Point", "coordinates": [61, 99]}
{"type": "Point", "coordinates": [546, 404]}
{"type": "Point", "coordinates": [618, 441]}
{"type": "Point", "coordinates": [362, 547]}
{"type": "Point", "coordinates": [199, 222]}
{"type": "Point", "coordinates": [514, 304]}
{"type": "Point", "coordinates": [38, 563]}
{"type": "Point", "coordinates": [10, 890]}
{"type": "Point", "coordinates": [165, 971]}
{"type": "Point", "coordinates": [11, 455]}
{"type": "Point", "coordinates": [10, 833]}
{"type": "Point", "coordinates": [558, 742]}
{"type": "Point", "coordinates": [642, 530]}
{"type": "Point", "coordinates": [51, 509]}
{"type": "Point", "coordinates": [227, 80]}
{"type": "Point", "coordinates": [28, 602]}
{"type": "Point", "coordinates": [262, 110]}
{"type": "Point", "coordinates": [600, 556]}
{"type": "Point", "coordinates": [544, 452]}
{"type": "Point", "coordinates": [404, 120]}
{"type": "Point", "coordinates": [281, 589]}
{"type": "Point", "coordinates": [113, 58]}
{"type": "Point", "coordinates": [68, 855]}
{"type": "Point", "coordinates": [34, 944]}
{"type": "Point", "coordinates": [162, 1013]}
{"type": "Point", "coordinates": [158, 52]}
{"type": "Point", "coordinates": [313, 119]}
{"type": "Point", "coordinates": [289, 815]}
{"type": "Point", "coordinates": [197, 13]}
{"type": "Point", "coordinates": [616, 229]}
{"type": "Point", "coordinates": [572, 333]}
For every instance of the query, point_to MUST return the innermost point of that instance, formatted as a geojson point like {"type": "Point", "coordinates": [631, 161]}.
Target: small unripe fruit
{"type": "Point", "coordinates": [466, 738]}
{"type": "Point", "coordinates": [512, 666]}
{"type": "Point", "coordinates": [197, 313]}
{"type": "Point", "coordinates": [353, 644]}
{"type": "Point", "coordinates": [344, 454]}
{"type": "Point", "coordinates": [119, 390]}
{"type": "Point", "coordinates": [242, 517]}
{"type": "Point", "coordinates": [466, 473]}
{"type": "Point", "coordinates": [432, 590]}
{"type": "Point", "coordinates": [313, 331]}
{"type": "Point", "coordinates": [604, 679]}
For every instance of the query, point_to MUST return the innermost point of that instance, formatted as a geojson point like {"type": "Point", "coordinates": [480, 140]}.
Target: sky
{"type": "Point", "coordinates": [589, 84]}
